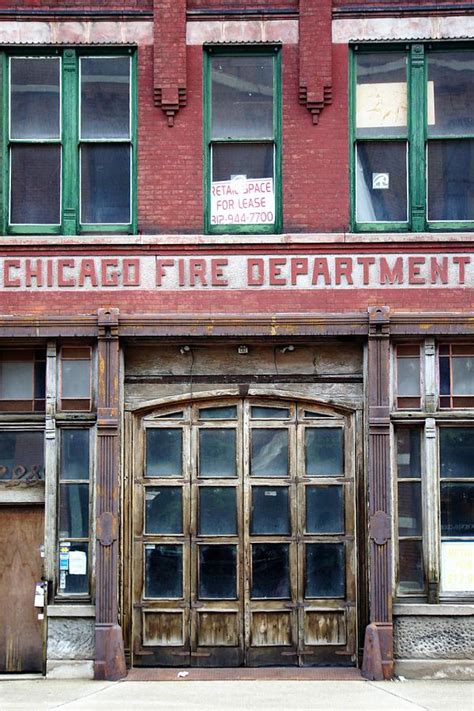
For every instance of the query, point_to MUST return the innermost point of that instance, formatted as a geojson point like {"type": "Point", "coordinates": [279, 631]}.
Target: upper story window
{"type": "Point", "coordinates": [413, 138]}
{"type": "Point", "coordinates": [69, 149]}
{"type": "Point", "coordinates": [242, 140]}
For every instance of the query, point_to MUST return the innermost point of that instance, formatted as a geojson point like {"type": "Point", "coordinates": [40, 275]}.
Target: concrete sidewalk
{"type": "Point", "coordinates": [182, 695]}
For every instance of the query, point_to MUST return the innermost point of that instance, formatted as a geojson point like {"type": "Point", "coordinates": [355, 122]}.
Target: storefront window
{"type": "Point", "coordinates": [74, 512]}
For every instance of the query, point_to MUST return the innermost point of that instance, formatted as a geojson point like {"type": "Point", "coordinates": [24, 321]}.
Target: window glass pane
{"type": "Point", "coordinates": [269, 413]}
{"type": "Point", "coordinates": [324, 509]}
{"type": "Point", "coordinates": [409, 508]}
{"type": "Point", "coordinates": [105, 184]}
{"type": "Point", "coordinates": [243, 164]}
{"type": "Point", "coordinates": [217, 572]}
{"type": "Point", "coordinates": [16, 380]}
{"type": "Point", "coordinates": [324, 451]}
{"type": "Point", "coordinates": [217, 453]}
{"type": "Point", "coordinates": [324, 570]}
{"type": "Point", "coordinates": [21, 455]}
{"type": "Point", "coordinates": [71, 564]}
{"type": "Point", "coordinates": [408, 370]}
{"type": "Point", "coordinates": [270, 571]}
{"type": "Point", "coordinates": [444, 376]}
{"type": "Point", "coordinates": [218, 413]}
{"type": "Point", "coordinates": [105, 97]}
{"type": "Point", "coordinates": [35, 193]}
{"type": "Point", "coordinates": [242, 190]}
{"type": "Point", "coordinates": [75, 378]}
{"type": "Point", "coordinates": [456, 451]}
{"type": "Point", "coordinates": [40, 379]}
{"type": "Point", "coordinates": [269, 455]}
{"type": "Point", "coordinates": [410, 565]}
{"type": "Point", "coordinates": [409, 452]}
{"type": "Point", "coordinates": [270, 510]}
{"type": "Point", "coordinates": [164, 452]}
{"type": "Point", "coordinates": [450, 92]}
{"type": "Point", "coordinates": [457, 509]}
{"type": "Point", "coordinates": [35, 97]}
{"type": "Point", "coordinates": [463, 375]}
{"type": "Point", "coordinates": [74, 454]}
{"type": "Point", "coordinates": [381, 96]}
{"type": "Point", "coordinates": [164, 510]}
{"type": "Point", "coordinates": [163, 571]}
{"type": "Point", "coordinates": [217, 511]}
{"type": "Point", "coordinates": [242, 97]}
{"type": "Point", "coordinates": [381, 181]}
{"type": "Point", "coordinates": [450, 179]}
{"type": "Point", "coordinates": [74, 511]}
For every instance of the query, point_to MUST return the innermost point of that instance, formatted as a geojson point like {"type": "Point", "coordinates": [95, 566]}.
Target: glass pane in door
{"type": "Point", "coordinates": [324, 570]}
{"type": "Point", "coordinates": [217, 511]}
{"type": "Point", "coordinates": [217, 572]}
{"type": "Point", "coordinates": [217, 453]}
{"type": "Point", "coordinates": [269, 456]}
{"type": "Point", "coordinates": [270, 510]}
{"type": "Point", "coordinates": [270, 571]}
{"type": "Point", "coordinates": [163, 571]}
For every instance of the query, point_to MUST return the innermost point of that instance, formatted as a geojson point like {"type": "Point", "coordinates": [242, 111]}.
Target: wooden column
{"type": "Point", "coordinates": [378, 647]}
{"type": "Point", "coordinates": [110, 657]}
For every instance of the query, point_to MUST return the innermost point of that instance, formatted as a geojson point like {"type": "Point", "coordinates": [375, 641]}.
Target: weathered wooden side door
{"type": "Point", "coordinates": [21, 633]}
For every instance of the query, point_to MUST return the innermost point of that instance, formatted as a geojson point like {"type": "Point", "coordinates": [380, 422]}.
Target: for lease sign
{"type": "Point", "coordinates": [243, 201]}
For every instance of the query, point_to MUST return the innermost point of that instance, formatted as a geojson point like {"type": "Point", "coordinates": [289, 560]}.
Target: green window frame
{"type": "Point", "coordinates": [252, 204]}
{"type": "Point", "coordinates": [76, 141]}
{"type": "Point", "coordinates": [418, 106]}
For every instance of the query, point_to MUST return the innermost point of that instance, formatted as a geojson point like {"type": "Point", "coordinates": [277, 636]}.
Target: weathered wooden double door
{"type": "Point", "coordinates": [243, 540]}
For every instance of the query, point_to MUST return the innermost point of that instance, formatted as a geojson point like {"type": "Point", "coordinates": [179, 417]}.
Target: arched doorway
{"type": "Point", "coordinates": [243, 546]}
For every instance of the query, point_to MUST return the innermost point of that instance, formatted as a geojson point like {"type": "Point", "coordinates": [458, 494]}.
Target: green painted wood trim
{"type": "Point", "coordinates": [134, 138]}
{"type": "Point", "coordinates": [4, 170]}
{"type": "Point", "coordinates": [70, 170]}
{"type": "Point", "coordinates": [209, 52]}
{"type": "Point", "coordinates": [417, 123]}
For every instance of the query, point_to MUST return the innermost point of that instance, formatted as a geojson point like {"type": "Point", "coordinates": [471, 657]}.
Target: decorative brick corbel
{"type": "Point", "coordinates": [315, 41]}
{"type": "Point", "coordinates": [169, 68]}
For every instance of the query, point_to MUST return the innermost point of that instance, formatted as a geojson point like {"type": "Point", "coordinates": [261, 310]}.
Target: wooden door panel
{"type": "Point", "coordinates": [21, 633]}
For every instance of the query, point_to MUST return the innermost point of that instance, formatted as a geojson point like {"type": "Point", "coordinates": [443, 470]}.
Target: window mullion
{"type": "Point", "coordinates": [417, 158]}
{"type": "Point", "coordinates": [3, 144]}
{"type": "Point", "coordinates": [431, 509]}
{"type": "Point", "coordinates": [70, 190]}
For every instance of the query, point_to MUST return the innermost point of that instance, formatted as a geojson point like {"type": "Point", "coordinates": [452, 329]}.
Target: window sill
{"type": "Point", "coordinates": [71, 610]}
{"type": "Point", "coordinates": [419, 609]}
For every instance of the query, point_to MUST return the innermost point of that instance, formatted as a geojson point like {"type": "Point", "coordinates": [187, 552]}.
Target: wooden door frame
{"type": "Point", "coordinates": [133, 417]}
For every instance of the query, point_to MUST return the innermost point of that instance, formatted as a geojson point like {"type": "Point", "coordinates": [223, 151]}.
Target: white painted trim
{"type": "Point", "coordinates": [422, 609]}
{"type": "Point", "coordinates": [402, 28]}
{"type": "Point", "coordinates": [78, 33]}
{"type": "Point", "coordinates": [308, 238]}
{"type": "Point", "coordinates": [71, 610]}
{"type": "Point", "coordinates": [285, 31]}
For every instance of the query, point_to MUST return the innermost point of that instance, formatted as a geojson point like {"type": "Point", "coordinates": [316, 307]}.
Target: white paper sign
{"type": "Point", "coordinates": [457, 566]}
{"type": "Point", "coordinates": [77, 563]}
{"type": "Point", "coordinates": [243, 201]}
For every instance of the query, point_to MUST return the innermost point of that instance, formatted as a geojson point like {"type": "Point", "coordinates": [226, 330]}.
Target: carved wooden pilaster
{"type": "Point", "coordinates": [110, 658]}
{"type": "Point", "coordinates": [169, 56]}
{"type": "Point", "coordinates": [315, 46]}
{"type": "Point", "coordinates": [378, 648]}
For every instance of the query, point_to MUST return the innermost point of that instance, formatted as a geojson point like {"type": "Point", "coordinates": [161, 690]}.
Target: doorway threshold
{"type": "Point", "coordinates": [245, 674]}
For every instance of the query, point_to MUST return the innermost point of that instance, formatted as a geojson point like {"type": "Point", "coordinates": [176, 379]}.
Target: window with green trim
{"type": "Point", "coordinates": [413, 138]}
{"type": "Point", "coordinates": [242, 140]}
{"type": "Point", "coordinates": [68, 142]}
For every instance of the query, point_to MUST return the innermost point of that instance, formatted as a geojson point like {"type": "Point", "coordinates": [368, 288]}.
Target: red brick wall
{"type": "Point", "coordinates": [170, 159]}
{"type": "Point", "coordinates": [315, 158]}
